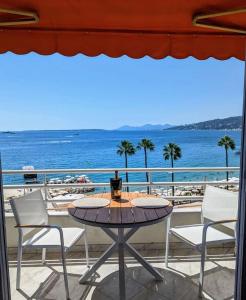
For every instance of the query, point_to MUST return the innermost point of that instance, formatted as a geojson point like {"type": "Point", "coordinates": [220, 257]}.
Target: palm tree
{"type": "Point", "coordinates": [172, 152]}
{"type": "Point", "coordinates": [228, 143]}
{"type": "Point", "coordinates": [146, 145]}
{"type": "Point", "coordinates": [126, 148]}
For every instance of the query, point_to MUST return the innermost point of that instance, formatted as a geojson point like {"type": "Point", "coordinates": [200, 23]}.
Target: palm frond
{"type": "Point", "coordinates": [172, 151]}
{"type": "Point", "coordinates": [146, 144]}
{"type": "Point", "coordinates": [227, 142]}
{"type": "Point", "coordinates": [126, 147]}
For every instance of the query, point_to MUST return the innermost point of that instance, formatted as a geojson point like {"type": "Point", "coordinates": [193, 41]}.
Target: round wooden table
{"type": "Point", "coordinates": [121, 215]}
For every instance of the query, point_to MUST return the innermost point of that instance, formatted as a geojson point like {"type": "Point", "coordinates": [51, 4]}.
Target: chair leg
{"type": "Point", "coordinates": [19, 259]}
{"type": "Point", "coordinates": [43, 255]}
{"type": "Point", "coordinates": [86, 250]}
{"type": "Point", "coordinates": [65, 272]}
{"type": "Point", "coordinates": [203, 257]}
{"type": "Point", "coordinates": [167, 241]}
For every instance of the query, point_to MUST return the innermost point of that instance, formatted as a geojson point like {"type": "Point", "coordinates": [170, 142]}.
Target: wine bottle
{"type": "Point", "coordinates": [116, 186]}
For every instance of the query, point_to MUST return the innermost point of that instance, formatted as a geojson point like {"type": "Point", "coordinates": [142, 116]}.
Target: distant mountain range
{"type": "Point", "coordinates": [145, 127]}
{"type": "Point", "coordinates": [232, 123]}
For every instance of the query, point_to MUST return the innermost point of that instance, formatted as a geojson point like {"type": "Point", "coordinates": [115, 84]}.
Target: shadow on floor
{"type": "Point", "coordinates": [218, 283]}
{"type": "Point", "coordinates": [53, 288]}
{"type": "Point", "coordinates": [140, 285]}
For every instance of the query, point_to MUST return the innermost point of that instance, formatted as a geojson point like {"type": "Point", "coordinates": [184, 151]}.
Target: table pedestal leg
{"type": "Point", "coordinates": [121, 264]}
{"type": "Point", "coordinates": [143, 262]}
{"type": "Point", "coordinates": [99, 262]}
{"type": "Point", "coordinates": [121, 244]}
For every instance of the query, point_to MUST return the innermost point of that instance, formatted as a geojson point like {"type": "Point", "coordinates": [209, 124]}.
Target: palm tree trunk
{"type": "Point", "coordinates": [227, 173]}
{"type": "Point", "coordinates": [172, 176]}
{"type": "Point", "coordinates": [146, 166]}
{"type": "Point", "coordinates": [126, 165]}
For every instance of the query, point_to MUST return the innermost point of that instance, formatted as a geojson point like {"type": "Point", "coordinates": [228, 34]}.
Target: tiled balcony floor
{"type": "Point", "coordinates": [42, 282]}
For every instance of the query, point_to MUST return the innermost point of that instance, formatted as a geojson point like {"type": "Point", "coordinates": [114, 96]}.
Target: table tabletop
{"type": "Point", "coordinates": [120, 214]}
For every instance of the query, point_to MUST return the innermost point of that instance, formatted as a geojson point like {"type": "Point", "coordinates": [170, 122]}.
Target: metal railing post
{"type": "Point", "coordinates": [45, 190]}
{"type": "Point", "coordinates": [150, 182]}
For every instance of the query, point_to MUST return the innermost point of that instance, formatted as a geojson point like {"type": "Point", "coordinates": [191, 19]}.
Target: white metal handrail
{"type": "Point", "coordinates": [125, 184]}
{"type": "Point", "coordinates": [150, 184]}
{"type": "Point", "coordinates": [129, 170]}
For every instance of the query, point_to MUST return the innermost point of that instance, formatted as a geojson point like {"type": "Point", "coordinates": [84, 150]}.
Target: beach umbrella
{"type": "Point", "coordinates": [80, 179]}
{"type": "Point", "coordinates": [53, 179]}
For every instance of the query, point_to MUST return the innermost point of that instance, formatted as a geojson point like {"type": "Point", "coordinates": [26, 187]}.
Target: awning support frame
{"type": "Point", "coordinates": [22, 17]}
{"type": "Point", "coordinates": [197, 21]}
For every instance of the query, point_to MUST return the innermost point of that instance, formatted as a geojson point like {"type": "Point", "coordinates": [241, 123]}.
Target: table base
{"type": "Point", "coordinates": [120, 244]}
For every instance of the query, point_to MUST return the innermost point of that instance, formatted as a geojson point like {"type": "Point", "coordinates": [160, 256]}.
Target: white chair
{"type": "Point", "coordinates": [219, 207]}
{"type": "Point", "coordinates": [34, 231]}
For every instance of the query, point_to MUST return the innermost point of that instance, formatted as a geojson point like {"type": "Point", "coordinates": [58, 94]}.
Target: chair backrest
{"type": "Point", "coordinates": [29, 209]}
{"type": "Point", "coordinates": [220, 204]}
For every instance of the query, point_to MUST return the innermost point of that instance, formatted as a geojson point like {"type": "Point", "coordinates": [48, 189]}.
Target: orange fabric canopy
{"type": "Point", "coordinates": [157, 28]}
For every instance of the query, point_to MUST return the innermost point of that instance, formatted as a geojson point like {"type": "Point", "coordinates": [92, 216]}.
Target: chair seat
{"type": "Point", "coordinates": [193, 234]}
{"type": "Point", "coordinates": [50, 238]}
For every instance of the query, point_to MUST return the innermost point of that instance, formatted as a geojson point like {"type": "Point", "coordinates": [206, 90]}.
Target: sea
{"type": "Point", "coordinates": [68, 149]}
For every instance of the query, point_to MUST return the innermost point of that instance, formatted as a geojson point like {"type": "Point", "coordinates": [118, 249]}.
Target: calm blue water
{"type": "Point", "coordinates": [97, 149]}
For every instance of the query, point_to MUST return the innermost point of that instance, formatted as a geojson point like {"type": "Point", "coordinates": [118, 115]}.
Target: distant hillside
{"type": "Point", "coordinates": [216, 124]}
{"type": "Point", "coordinates": [145, 127]}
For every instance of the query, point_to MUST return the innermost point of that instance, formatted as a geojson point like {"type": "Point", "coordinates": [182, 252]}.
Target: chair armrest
{"type": "Point", "coordinates": [45, 226]}
{"type": "Point", "coordinates": [220, 222]}
{"type": "Point", "coordinates": [38, 226]}
{"type": "Point", "coordinates": [206, 226]}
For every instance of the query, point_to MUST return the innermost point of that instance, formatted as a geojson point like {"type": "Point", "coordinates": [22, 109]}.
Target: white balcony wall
{"type": "Point", "coordinates": [154, 234]}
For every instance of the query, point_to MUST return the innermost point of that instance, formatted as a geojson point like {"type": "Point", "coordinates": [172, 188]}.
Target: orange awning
{"type": "Point", "coordinates": [136, 28]}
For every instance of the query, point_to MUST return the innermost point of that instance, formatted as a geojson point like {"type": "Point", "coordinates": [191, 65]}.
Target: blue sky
{"type": "Point", "coordinates": [57, 92]}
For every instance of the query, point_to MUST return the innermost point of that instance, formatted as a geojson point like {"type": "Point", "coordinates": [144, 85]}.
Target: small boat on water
{"type": "Point", "coordinates": [9, 132]}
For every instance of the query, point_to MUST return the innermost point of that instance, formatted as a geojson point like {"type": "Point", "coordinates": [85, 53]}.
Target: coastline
{"type": "Point", "coordinates": [183, 191]}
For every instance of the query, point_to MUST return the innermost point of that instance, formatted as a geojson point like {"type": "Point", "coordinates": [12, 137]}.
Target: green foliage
{"type": "Point", "coordinates": [126, 148]}
{"type": "Point", "coordinates": [146, 145]}
{"type": "Point", "coordinates": [227, 142]}
{"type": "Point", "coordinates": [172, 151]}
